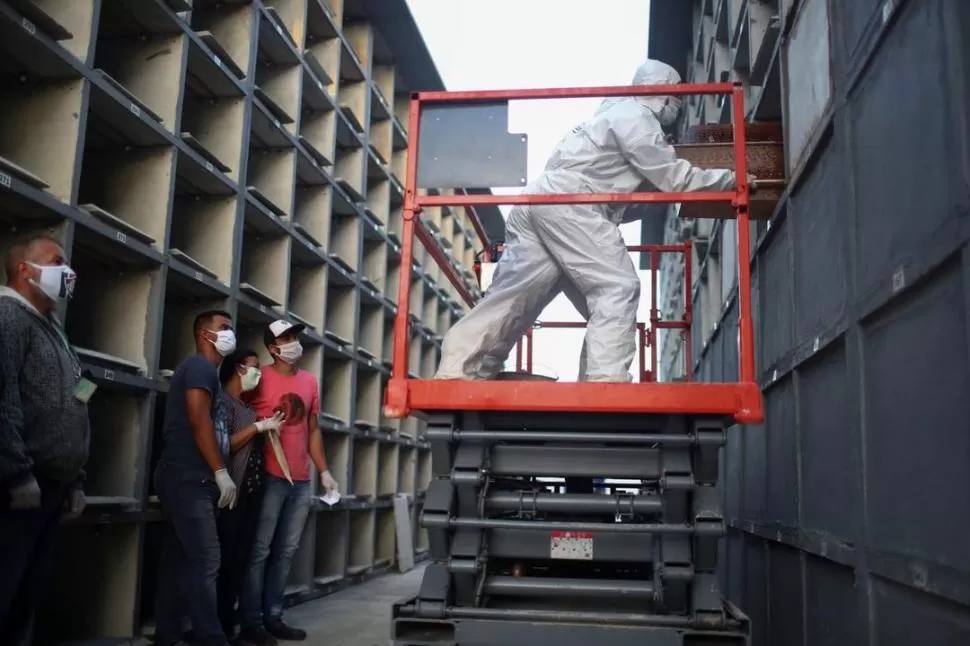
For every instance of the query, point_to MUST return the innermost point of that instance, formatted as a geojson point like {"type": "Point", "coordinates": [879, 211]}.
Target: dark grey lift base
{"type": "Point", "coordinates": [508, 627]}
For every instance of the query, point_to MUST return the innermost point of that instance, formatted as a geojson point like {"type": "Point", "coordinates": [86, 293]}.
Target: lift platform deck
{"type": "Point", "coordinates": [525, 548]}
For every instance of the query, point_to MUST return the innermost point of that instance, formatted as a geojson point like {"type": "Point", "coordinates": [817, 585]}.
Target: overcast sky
{"type": "Point", "coordinates": [503, 44]}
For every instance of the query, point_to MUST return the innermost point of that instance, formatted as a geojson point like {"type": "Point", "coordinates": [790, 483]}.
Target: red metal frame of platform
{"type": "Point", "coordinates": [741, 400]}
{"type": "Point", "coordinates": [646, 334]}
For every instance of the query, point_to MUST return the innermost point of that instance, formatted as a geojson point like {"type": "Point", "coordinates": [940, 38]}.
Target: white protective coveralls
{"type": "Point", "coordinates": [578, 249]}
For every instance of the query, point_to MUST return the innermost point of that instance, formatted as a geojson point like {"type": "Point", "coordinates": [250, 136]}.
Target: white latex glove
{"type": "Point", "coordinates": [75, 504]}
{"type": "Point", "coordinates": [270, 423]}
{"type": "Point", "coordinates": [328, 482]}
{"type": "Point", "coordinates": [752, 183]}
{"type": "Point", "coordinates": [26, 495]}
{"type": "Point", "coordinates": [227, 489]}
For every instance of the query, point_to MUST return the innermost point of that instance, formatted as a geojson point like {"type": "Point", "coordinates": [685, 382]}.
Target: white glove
{"type": "Point", "coordinates": [75, 504]}
{"type": "Point", "coordinates": [328, 482]}
{"type": "Point", "coordinates": [227, 489]}
{"type": "Point", "coordinates": [752, 183]}
{"type": "Point", "coordinates": [26, 495]}
{"type": "Point", "coordinates": [270, 423]}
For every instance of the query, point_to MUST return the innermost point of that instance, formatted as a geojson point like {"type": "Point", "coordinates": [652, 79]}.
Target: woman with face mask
{"type": "Point", "coordinates": [240, 374]}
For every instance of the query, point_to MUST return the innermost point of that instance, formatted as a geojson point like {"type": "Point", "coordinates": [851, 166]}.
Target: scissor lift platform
{"type": "Point", "coordinates": [516, 560]}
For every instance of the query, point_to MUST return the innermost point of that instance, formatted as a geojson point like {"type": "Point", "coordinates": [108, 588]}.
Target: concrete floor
{"type": "Point", "coordinates": [358, 616]}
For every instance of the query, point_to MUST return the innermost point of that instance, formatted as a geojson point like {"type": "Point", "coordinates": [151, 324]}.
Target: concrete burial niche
{"type": "Point", "coordinates": [338, 389]}
{"type": "Point", "coordinates": [388, 468]}
{"type": "Point", "coordinates": [332, 535]}
{"type": "Point", "coordinates": [407, 472]}
{"type": "Point", "coordinates": [362, 524]}
{"type": "Point", "coordinates": [336, 446]}
{"type": "Point", "coordinates": [384, 554]}
{"type": "Point", "coordinates": [365, 468]}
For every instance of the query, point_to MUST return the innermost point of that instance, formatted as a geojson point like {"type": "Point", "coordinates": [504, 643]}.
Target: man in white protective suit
{"type": "Point", "coordinates": [578, 249]}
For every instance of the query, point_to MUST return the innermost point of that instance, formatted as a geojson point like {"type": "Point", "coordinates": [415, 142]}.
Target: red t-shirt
{"type": "Point", "coordinates": [298, 396]}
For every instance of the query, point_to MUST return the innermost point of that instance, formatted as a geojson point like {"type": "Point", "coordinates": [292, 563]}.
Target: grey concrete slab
{"type": "Point", "coordinates": [358, 616]}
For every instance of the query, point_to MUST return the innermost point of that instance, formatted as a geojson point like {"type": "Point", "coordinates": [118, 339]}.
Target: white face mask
{"type": "Point", "coordinates": [671, 110]}
{"type": "Point", "coordinates": [225, 341]}
{"type": "Point", "coordinates": [250, 379]}
{"type": "Point", "coordinates": [56, 282]}
{"type": "Point", "coordinates": [290, 352]}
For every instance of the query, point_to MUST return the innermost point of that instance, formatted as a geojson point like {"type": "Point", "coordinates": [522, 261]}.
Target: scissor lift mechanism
{"type": "Point", "coordinates": [515, 563]}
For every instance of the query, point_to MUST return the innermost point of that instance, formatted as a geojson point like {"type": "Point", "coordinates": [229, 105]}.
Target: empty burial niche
{"type": "Point", "coordinates": [414, 352]}
{"type": "Point", "coordinates": [424, 470]}
{"type": "Point", "coordinates": [388, 352]}
{"type": "Point", "coordinates": [341, 308]}
{"type": "Point", "coordinates": [338, 389]}
{"type": "Point", "coordinates": [386, 538]}
{"type": "Point", "coordinates": [115, 421]}
{"type": "Point", "coordinates": [318, 132]}
{"type": "Point", "coordinates": [312, 360]}
{"type": "Point", "coordinates": [379, 199]}
{"type": "Point", "coordinates": [417, 295]}
{"type": "Point", "coordinates": [270, 178]}
{"type": "Point", "coordinates": [308, 294]}
{"type": "Point", "coordinates": [153, 543]}
{"type": "Point", "coordinates": [392, 278]}
{"type": "Point", "coordinates": [336, 447]}
{"type": "Point", "coordinates": [352, 99]}
{"type": "Point", "coordinates": [264, 265]}
{"type": "Point", "coordinates": [399, 164]}
{"type": "Point", "coordinates": [226, 28]}
{"type": "Point", "coordinates": [388, 473]}
{"type": "Point", "coordinates": [429, 360]}
{"type": "Point", "coordinates": [361, 541]}
{"type": "Point", "coordinates": [300, 580]}
{"type": "Point", "coordinates": [144, 66]}
{"type": "Point", "coordinates": [39, 130]}
{"type": "Point", "coordinates": [365, 468]}
{"type": "Point", "coordinates": [108, 318]}
{"type": "Point", "coordinates": [369, 396]}
{"type": "Point", "coordinates": [444, 318]}
{"type": "Point", "coordinates": [429, 313]}
{"type": "Point", "coordinates": [345, 239]}
{"type": "Point", "coordinates": [213, 115]}
{"type": "Point", "coordinates": [372, 331]}
{"type": "Point", "coordinates": [105, 558]}
{"type": "Point", "coordinates": [349, 169]}
{"type": "Point", "coordinates": [278, 72]}
{"type": "Point", "coordinates": [312, 215]}
{"type": "Point", "coordinates": [375, 262]}
{"type": "Point", "coordinates": [407, 461]}
{"type": "Point", "coordinates": [202, 234]}
{"type": "Point", "coordinates": [331, 546]}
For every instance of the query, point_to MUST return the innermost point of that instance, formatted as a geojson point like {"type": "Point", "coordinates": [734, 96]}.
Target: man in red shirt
{"type": "Point", "coordinates": [295, 393]}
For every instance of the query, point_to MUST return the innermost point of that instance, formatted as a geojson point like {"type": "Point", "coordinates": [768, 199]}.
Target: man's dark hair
{"type": "Point", "coordinates": [235, 359]}
{"type": "Point", "coordinates": [18, 250]}
{"type": "Point", "coordinates": [205, 318]}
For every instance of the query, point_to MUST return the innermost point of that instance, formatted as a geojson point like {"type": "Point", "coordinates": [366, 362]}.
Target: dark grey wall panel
{"type": "Point", "coordinates": [857, 18]}
{"type": "Point", "coordinates": [831, 607]}
{"type": "Point", "coordinates": [785, 621]}
{"type": "Point", "coordinates": [755, 469]}
{"type": "Point", "coordinates": [819, 220]}
{"type": "Point", "coordinates": [756, 588]}
{"type": "Point", "coordinates": [917, 444]}
{"type": "Point", "coordinates": [905, 616]}
{"type": "Point", "coordinates": [774, 275]}
{"type": "Point", "coordinates": [905, 155]}
{"type": "Point", "coordinates": [782, 466]}
{"type": "Point", "coordinates": [733, 472]}
{"type": "Point", "coordinates": [827, 432]}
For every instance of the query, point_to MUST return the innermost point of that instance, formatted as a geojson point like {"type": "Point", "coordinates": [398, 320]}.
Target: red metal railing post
{"type": "Point", "coordinates": [688, 310]}
{"type": "Point", "coordinates": [654, 310]}
{"type": "Point", "coordinates": [396, 396]}
{"type": "Point", "coordinates": [642, 332]}
{"type": "Point", "coordinates": [528, 350]}
{"type": "Point", "coordinates": [742, 202]}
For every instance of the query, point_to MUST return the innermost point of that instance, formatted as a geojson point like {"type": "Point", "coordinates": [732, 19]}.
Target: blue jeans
{"type": "Point", "coordinates": [189, 563]}
{"type": "Point", "coordinates": [281, 521]}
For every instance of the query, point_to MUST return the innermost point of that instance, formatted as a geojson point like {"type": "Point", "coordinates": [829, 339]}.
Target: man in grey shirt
{"type": "Point", "coordinates": [44, 431]}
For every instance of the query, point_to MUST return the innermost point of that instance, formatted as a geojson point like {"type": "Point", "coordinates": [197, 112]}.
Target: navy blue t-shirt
{"type": "Point", "coordinates": [180, 450]}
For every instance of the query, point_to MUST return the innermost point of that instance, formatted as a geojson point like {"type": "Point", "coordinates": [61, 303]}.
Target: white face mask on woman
{"type": "Point", "coordinates": [250, 378]}
{"type": "Point", "coordinates": [290, 352]}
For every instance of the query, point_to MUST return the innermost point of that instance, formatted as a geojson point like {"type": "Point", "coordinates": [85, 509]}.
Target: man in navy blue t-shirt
{"type": "Point", "coordinates": [193, 484]}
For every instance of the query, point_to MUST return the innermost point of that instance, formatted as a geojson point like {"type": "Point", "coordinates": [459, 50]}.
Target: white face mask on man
{"type": "Point", "coordinates": [290, 352]}
{"type": "Point", "coordinates": [225, 341]}
{"type": "Point", "coordinates": [671, 110]}
{"type": "Point", "coordinates": [56, 282]}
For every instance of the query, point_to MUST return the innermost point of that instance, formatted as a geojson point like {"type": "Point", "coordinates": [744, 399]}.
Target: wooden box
{"type": "Point", "coordinates": [712, 146]}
